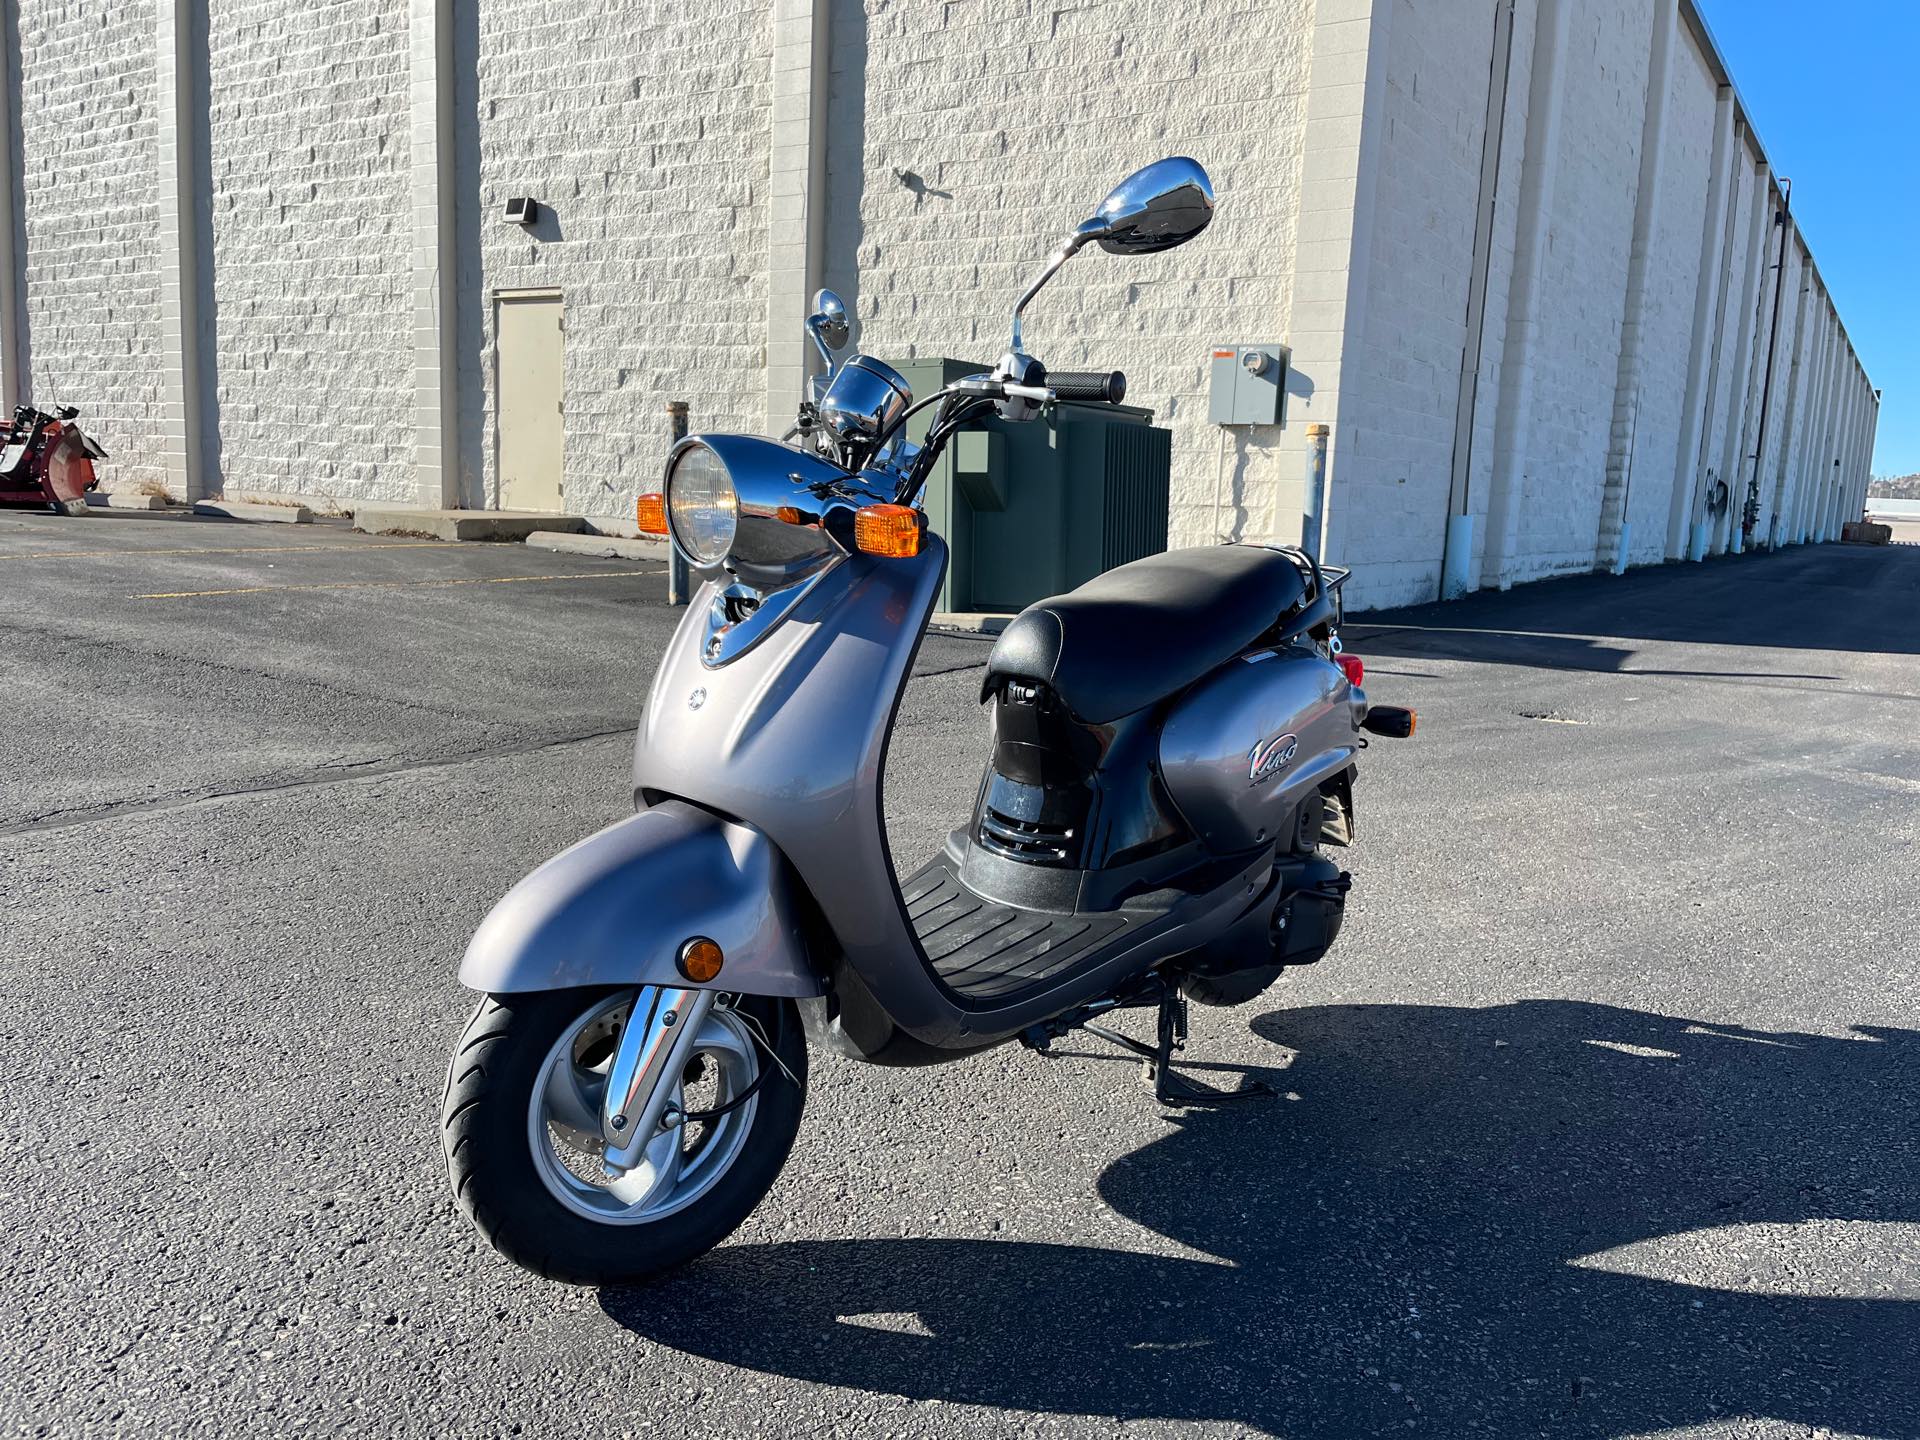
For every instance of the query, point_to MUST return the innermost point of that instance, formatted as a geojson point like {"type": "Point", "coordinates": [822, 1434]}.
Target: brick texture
{"type": "Point", "coordinates": [644, 129]}
{"type": "Point", "coordinates": [964, 137]}
{"type": "Point", "coordinates": [967, 138]}
{"type": "Point", "coordinates": [312, 247]}
{"type": "Point", "coordinates": [88, 142]}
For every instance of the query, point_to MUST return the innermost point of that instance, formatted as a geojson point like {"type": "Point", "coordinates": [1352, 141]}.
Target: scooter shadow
{"type": "Point", "coordinates": [1396, 1246]}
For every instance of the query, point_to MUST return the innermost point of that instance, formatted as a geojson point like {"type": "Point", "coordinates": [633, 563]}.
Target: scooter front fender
{"type": "Point", "coordinates": [616, 908]}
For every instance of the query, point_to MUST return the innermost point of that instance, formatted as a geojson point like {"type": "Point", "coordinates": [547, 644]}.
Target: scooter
{"type": "Point", "coordinates": [1173, 748]}
{"type": "Point", "coordinates": [48, 460]}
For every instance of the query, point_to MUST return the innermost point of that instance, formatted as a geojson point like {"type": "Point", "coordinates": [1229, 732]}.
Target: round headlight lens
{"type": "Point", "coordinates": [702, 506]}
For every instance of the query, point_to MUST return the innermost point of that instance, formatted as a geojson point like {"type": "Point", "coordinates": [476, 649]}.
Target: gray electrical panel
{"type": "Point", "coordinates": [1247, 385]}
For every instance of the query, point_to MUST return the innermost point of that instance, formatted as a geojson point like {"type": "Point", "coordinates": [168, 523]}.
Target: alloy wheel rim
{"type": "Point", "coordinates": [682, 1162]}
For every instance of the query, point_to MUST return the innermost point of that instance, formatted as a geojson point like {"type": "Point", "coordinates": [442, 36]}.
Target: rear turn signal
{"type": "Point", "coordinates": [889, 530]}
{"type": "Point", "coordinates": [1389, 720]}
{"type": "Point", "coordinates": [650, 513]}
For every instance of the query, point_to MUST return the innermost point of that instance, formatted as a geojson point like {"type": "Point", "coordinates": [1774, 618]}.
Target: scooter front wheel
{"type": "Point", "coordinates": [526, 1151]}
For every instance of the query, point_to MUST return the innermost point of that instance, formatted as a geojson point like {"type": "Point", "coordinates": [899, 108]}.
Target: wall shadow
{"type": "Point", "coordinates": [468, 293]}
{"type": "Point", "coordinates": [198, 74]}
{"type": "Point", "coordinates": [1393, 1244]}
{"type": "Point", "coordinates": [844, 229]}
{"type": "Point", "coordinates": [1812, 597]}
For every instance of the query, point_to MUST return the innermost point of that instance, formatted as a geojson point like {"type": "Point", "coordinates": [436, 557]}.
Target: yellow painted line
{"type": "Point", "coordinates": [233, 550]}
{"type": "Point", "coordinates": [397, 584]}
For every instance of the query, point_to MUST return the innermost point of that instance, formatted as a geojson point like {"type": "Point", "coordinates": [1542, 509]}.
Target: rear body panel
{"type": "Point", "coordinates": [1243, 747]}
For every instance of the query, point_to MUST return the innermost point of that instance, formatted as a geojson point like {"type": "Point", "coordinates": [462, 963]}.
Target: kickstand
{"type": "Point", "coordinates": [1169, 1087]}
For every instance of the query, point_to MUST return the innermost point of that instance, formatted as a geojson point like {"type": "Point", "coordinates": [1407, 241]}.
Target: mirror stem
{"type": "Point", "coordinates": [826, 354]}
{"type": "Point", "coordinates": [1069, 247]}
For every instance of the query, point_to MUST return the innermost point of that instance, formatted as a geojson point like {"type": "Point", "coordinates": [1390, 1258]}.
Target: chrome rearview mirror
{"type": "Point", "coordinates": [1155, 209]}
{"type": "Point", "coordinates": [828, 325]}
{"type": "Point", "coordinates": [1164, 205]}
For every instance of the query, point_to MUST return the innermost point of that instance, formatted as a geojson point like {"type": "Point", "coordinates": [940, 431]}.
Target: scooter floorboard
{"type": "Point", "coordinates": [984, 949]}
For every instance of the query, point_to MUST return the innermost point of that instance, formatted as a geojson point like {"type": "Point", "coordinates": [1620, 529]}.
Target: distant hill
{"type": "Point", "coordinates": [1894, 487]}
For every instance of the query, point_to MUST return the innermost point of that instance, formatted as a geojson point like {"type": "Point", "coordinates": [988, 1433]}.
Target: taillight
{"type": "Point", "coordinates": [1352, 666]}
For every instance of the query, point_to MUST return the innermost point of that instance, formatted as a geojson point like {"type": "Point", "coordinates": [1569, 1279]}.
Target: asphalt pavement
{"type": "Point", "coordinates": [1598, 1120]}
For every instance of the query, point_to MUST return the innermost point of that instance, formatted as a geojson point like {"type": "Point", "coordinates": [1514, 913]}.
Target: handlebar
{"type": "Point", "coordinates": [1104, 387]}
{"type": "Point", "coordinates": [965, 398]}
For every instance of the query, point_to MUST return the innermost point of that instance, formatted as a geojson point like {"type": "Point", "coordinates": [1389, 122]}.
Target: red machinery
{"type": "Point", "coordinates": [48, 460]}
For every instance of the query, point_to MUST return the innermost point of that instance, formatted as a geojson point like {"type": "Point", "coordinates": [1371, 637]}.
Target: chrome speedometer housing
{"type": "Point", "coordinates": [864, 399]}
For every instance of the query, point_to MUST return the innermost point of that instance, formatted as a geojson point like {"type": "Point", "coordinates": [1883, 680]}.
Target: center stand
{"type": "Point", "coordinates": [1169, 1087]}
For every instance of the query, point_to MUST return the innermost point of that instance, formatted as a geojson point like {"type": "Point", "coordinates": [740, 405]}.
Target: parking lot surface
{"type": "Point", "coordinates": [1598, 1120]}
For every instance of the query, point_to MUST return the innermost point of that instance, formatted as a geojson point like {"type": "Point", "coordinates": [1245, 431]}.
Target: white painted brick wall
{"type": "Point", "coordinates": [1672, 274]}
{"type": "Point", "coordinates": [91, 218]}
{"type": "Point", "coordinates": [1399, 386]}
{"type": "Point", "coordinates": [963, 139]}
{"type": "Point", "coordinates": [645, 129]}
{"type": "Point", "coordinates": [1402, 382]}
{"type": "Point", "coordinates": [967, 138]}
{"type": "Point", "coordinates": [311, 247]}
{"type": "Point", "coordinates": [1586, 276]}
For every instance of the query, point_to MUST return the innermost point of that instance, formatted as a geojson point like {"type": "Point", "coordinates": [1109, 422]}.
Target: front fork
{"type": "Point", "coordinates": [653, 1051]}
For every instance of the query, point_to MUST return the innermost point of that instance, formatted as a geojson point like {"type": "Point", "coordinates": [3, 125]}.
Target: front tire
{"type": "Point", "coordinates": [552, 1210]}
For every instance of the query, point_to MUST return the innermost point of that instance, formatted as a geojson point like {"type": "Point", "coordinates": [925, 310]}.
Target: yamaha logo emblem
{"type": "Point", "coordinates": [697, 698]}
{"type": "Point", "coordinates": [1270, 757]}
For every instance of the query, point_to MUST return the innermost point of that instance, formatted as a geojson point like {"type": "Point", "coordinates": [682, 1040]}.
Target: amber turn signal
{"type": "Point", "coordinates": [700, 960]}
{"type": "Point", "coordinates": [1390, 721]}
{"type": "Point", "coordinates": [890, 530]}
{"type": "Point", "coordinates": [650, 513]}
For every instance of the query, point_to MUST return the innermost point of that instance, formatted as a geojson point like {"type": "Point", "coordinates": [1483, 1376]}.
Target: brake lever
{"type": "Point", "coordinates": [987, 388]}
{"type": "Point", "coordinates": [1040, 394]}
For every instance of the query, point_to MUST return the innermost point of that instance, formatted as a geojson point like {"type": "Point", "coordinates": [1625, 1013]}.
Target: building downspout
{"type": "Point", "coordinates": [1750, 516]}
{"type": "Point", "coordinates": [1779, 515]}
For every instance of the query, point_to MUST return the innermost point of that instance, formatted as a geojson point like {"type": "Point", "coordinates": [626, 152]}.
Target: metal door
{"type": "Point", "coordinates": [529, 375]}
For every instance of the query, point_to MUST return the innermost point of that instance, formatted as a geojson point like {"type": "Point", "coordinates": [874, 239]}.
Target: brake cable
{"type": "Point", "coordinates": [760, 1039]}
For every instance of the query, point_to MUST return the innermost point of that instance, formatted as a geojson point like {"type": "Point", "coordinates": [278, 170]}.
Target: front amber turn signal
{"type": "Point", "coordinates": [890, 530]}
{"type": "Point", "coordinates": [650, 513]}
{"type": "Point", "coordinates": [700, 960]}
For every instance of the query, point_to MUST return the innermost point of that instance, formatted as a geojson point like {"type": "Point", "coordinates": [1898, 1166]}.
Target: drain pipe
{"type": "Point", "coordinates": [1313, 501]}
{"type": "Point", "coordinates": [1750, 516]}
{"type": "Point", "coordinates": [679, 584]}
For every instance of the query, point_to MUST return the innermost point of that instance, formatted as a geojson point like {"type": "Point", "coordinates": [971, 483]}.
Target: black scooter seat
{"type": "Point", "coordinates": [1146, 630]}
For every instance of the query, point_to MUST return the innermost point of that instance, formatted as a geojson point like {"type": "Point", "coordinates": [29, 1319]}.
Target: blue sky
{"type": "Point", "coordinates": [1830, 89]}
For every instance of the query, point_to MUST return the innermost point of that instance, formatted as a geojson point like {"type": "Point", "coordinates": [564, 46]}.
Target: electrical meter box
{"type": "Point", "coordinates": [1247, 385]}
{"type": "Point", "coordinates": [1034, 509]}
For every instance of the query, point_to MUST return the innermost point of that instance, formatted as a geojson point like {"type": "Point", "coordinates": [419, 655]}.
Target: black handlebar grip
{"type": "Point", "coordinates": [1106, 387]}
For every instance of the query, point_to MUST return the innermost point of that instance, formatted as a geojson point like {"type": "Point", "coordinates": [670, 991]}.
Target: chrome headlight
{"type": "Point", "coordinates": [702, 506]}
